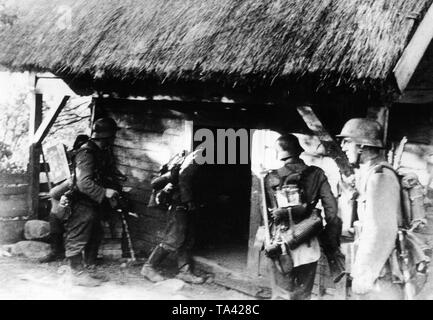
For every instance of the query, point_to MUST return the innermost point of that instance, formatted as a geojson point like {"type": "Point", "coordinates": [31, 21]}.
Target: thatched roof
{"type": "Point", "coordinates": [353, 43]}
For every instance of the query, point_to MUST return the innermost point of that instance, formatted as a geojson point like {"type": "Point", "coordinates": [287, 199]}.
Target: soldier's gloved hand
{"type": "Point", "coordinates": [111, 193]}
{"type": "Point", "coordinates": [273, 250]}
{"type": "Point", "coordinates": [279, 214]}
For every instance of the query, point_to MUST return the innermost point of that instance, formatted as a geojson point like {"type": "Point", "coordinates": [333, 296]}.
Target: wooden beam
{"type": "Point", "coordinates": [34, 157]}
{"type": "Point", "coordinates": [418, 96]}
{"type": "Point", "coordinates": [47, 123]}
{"type": "Point", "coordinates": [331, 146]}
{"type": "Point", "coordinates": [414, 51]}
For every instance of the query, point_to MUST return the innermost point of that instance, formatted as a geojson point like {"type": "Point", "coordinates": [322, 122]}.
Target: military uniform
{"type": "Point", "coordinates": [378, 210]}
{"type": "Point", "coordinates": [379, 213]}
{"type": "Point", "coordinates": [94, 170]}
{"type": "Point", "coordinates": [179, 235]}
{"type": "Point", "coordinates": [300, 280]}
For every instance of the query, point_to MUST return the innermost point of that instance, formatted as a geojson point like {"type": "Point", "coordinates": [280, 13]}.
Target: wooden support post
{"type": "Point", "coordinates": [49, 120]}
{"type": "Point", "coordinates": [34, 156]}
{"type": "Point", "coordinates": [332, 148]}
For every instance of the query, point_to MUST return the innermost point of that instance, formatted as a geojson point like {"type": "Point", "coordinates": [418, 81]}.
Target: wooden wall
{"type": "Point", "coordinates": [148, 138]}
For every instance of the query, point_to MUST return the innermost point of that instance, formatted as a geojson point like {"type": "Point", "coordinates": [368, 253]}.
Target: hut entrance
{"type": "Point", "coordinates": [223, 222]}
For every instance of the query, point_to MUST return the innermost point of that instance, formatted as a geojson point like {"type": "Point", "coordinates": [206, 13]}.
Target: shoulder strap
{"type": "Point", "coordinates": [379, 169]}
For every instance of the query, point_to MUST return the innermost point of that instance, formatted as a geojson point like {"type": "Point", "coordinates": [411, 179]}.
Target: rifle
{"type": "Point", "coordinates": [268, 241]}
{"type": "Point", "coordinates": [408, 286]}
{"type": "Point", "coordinates": [399, 153]}
{"type": "Point", "coordinates": [121, 205]}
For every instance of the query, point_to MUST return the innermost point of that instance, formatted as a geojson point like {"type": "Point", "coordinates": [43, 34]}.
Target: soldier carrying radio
{"type": "Point", "coordinates": [293, 192]}
{"type": "Point", "coordinates": [381, 269]}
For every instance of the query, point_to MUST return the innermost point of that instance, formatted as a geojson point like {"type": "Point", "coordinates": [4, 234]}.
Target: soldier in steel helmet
{"type": "Point", "coordinates": [378, 209]}
{"type": "Point", "coordinates": [295, 279]}
{"type": "Point", "coordinates": [94, 183]}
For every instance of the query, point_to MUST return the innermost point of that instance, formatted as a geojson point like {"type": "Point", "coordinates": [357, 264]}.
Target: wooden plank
{"type": "Point", "coordinates": [145, 122]}
{"type": "Point", "coordinates": [162, 109]}
{"type": "Point", "coordinates": [13, 179]}
{"type": "Point", "coordinates": [420, 96]}
{"type": "Point", "coordinates": [15, 190]}
{"type": "Point", "coordinates": [124, 158]}
{"type": "Point", "coordinates": [137, 175]}
{"type": "Point", "coordinates": [331, 146]}
{"type": "Point", "coordinates": [47, 123]}
{"type": "Point", "coordinates": [14, 205]}
{"type": "Point", "coordinates": [414, 51]}
{"type": "Point", "coordinates": [34, 156]}
{"type": "Point", "coordinates": [233, 280]}
{"type": "Point", "coordinates": [253, 259]}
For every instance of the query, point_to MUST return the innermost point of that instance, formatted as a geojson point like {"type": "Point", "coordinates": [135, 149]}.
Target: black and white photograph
{"type": "Point", "coordinates": [235, 152]}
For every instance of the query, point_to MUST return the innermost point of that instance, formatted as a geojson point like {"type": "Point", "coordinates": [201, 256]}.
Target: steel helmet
{"type": "Point", "coordinates": [363, 131]}
{"type": "Point", "coordinates": [289, 145]}
{"type": "Point", "coordinates": [104, 128]}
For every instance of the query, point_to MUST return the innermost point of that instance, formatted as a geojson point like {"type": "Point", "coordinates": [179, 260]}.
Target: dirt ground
{"type": "Point", "coordinates": [21, 279]}
{"type": "Point", "coordinates": [27, 280]}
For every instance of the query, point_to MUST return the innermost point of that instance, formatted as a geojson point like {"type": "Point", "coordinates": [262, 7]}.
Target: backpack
{"type": "Point", "coordinates": [414, 215]}
{"type": "Point", "coordinates": [304, 221]}
{"type": "Point", "coordinates": [408, 261]}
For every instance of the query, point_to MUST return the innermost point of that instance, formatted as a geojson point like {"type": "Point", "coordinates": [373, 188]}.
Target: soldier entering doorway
{"type": "Point", "coordinates": [175, 190]}
{"type": "Point", "coordinates": [293, 192]}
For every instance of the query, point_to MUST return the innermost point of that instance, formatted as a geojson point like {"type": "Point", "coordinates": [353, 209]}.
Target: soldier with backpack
{"type": "Point", "coordinates": [293, 192]}
{"type": "Point", "coordinates": [57, 212]}
{"type": "Point", "coordinates": [94, 183]}
{"type": "Point", "coordinates": [174, 191]}
{"type": "Point", "coordinates": [380, 268]}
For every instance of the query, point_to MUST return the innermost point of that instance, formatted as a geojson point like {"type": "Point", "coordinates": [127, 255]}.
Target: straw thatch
{"type": "Point", "coordinates": [352, 43]}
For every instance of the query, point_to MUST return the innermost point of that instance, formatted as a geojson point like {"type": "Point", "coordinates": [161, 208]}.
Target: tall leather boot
{"type": "Point", "coordinates": [79, 276]}
{"type": "Point", "coordinates": [148, 271]}
{"type": "Point", "coordinates": [57, 245]}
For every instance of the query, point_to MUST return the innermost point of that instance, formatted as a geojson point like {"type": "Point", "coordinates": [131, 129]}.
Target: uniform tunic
{"type": "Point", "coordinates": [179, 234]}
{"type": "Point", "coordinates": [316, 187]}
{"type": "Point", "coordinates": [94, 169]}
{"type": "Point", "coordinates": [378, 211]}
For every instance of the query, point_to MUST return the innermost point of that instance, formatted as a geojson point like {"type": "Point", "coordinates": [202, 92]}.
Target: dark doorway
{"type": "Point", "coordinates": [223, 222]}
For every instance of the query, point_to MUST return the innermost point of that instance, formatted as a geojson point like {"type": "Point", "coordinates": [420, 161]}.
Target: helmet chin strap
{"type": "Point", "coordinates": [358, 157]}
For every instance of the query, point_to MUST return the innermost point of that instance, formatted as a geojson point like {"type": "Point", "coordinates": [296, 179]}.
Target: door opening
{"type": "Point", "coordinates": [223, 221]}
